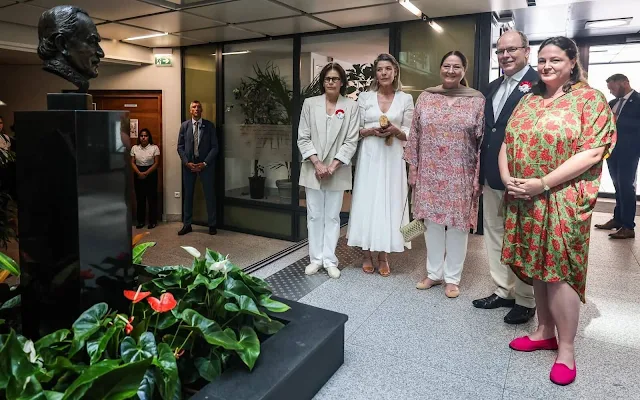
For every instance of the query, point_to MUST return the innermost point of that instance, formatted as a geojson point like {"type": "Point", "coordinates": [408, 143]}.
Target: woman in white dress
{"type": "Point", "coordinates": [379, 206]}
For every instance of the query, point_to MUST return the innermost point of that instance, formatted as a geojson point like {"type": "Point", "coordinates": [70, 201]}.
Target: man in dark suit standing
{"type": "Point", "coordinates": [503, 96]}
{"type": "Point", "coordinates": [198, 148]}
{"type": "Point", "coordinates": [623, 162]}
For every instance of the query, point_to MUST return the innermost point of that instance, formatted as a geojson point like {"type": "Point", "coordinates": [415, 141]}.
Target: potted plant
{"type": "Point", "coordinates": [257, 181]}
{"type": "Point", "coordinates": [360, 78]}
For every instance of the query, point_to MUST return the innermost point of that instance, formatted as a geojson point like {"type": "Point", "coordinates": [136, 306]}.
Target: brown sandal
{"type": "Point", "coordinates": [427, 283]}
{"type": "Point", "coordinates": [367, 269]}
{"type": "Point", "coordinates": [382, 272]}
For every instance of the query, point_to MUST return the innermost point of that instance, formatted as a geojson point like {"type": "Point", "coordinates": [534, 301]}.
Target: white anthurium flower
{"type": "Point", "coordinates": [30, 350]}
{"type": "Point", "coordinates": [219, 265]}
{"type": "Point", "coordinates": [192, 250]}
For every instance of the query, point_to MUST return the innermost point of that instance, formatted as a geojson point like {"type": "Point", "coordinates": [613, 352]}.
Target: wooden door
{"type": "Point", "coordinates": [146, 107]}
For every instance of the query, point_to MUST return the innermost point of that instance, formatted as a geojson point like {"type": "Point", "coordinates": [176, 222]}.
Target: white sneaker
{"type": "Point", "coordinates": [312, 268]}
{"type": "Point", "coordinates": [333, 272]}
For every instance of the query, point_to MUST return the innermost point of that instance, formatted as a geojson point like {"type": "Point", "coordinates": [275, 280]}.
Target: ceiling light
{"type": "Point", "coordinates": [2, 103]}
{"type": "Point", "coordinates": [411, 7]}
{"type": "Point", "coordinates": [436, 27]}
{"type": "Point", "coordinates": [607, 23]}
{"type": "Point", "coordinates": [236, 52]}
{"type": "Point", "coordinates": [148, 36]}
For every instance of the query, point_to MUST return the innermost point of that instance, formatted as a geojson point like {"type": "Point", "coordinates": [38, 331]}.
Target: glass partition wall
{"type": "Point", "coordinates": [254, 93]}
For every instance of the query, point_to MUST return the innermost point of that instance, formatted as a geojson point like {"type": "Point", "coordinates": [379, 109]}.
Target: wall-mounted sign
{"type": "Point", "coordinates": [163, 60]}
{"type": "Point", "coordinates": [131, 105]}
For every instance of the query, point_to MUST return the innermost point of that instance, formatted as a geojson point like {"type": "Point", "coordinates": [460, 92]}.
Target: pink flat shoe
{"type": "Point", "coordinates": [525, 344]}
{"type": "Point", "coordinates": [562, 375]}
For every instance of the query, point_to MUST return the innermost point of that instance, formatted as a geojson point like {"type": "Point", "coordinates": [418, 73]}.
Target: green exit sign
{"type": "Point", "coordinates": [163, 61]}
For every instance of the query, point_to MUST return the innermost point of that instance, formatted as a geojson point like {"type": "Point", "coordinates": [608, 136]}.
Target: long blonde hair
{"type": "Point", "coordinates": [397, 85]}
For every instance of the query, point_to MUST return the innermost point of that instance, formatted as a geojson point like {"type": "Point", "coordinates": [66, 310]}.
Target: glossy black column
{"type": "Point", "coordinates": [73, 213]}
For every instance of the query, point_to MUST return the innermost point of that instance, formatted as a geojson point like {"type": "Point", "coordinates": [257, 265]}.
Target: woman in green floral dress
{"type": "Point", "coordinates": [550, 163]}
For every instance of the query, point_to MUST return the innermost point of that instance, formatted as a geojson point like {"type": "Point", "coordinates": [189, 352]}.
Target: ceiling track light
{"type": "Point", "coordinates": [411, 7]}
{"type": "Point", "coordinates": [608, 23]}
{"type": "Point", "coordinates": [148, 36]}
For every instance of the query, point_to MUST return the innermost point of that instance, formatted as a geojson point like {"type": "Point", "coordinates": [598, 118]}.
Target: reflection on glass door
{"type": "Point", "coordinates": [605, 61]}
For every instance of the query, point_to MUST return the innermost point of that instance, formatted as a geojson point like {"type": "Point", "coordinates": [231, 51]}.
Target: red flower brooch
{"type": "Point", "coordinates": [525, 86]}
{"type": "Point", "coordinates": [340, 113]}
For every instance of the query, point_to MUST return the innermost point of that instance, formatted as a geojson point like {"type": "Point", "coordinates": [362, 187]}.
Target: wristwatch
{"type": "Point", "coordinates": [546, 187]}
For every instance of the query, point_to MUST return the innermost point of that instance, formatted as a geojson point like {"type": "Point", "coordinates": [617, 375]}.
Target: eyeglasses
{"type": "Point", "coordinates": [456, 68]}
{"type": "Point", "coordinates": [510, 50]}
{"type": "Point", "coordinates": [334, 79]}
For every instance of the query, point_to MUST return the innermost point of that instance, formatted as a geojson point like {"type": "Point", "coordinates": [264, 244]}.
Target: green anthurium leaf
{"type": "Point", "coordinates": [61, 364]}
{"type": "Point", "coordinates": [267, 327]}
{"type": "Point", "coordinates": [200, 280]}
{"type": "Point", "coordinates": [12, 302]}
{"type": "Point", "coordinates": [2, 321]}
{"type": "Point", "coordinates": [236, 288]}
{"type": "Point", "coordinates": [272, 305]}
{"type": "Point", "coordinates": [213, 256]}
{"type": "Point", "coordinates": [108, 381]}
{"type": "Point", "coordinates": [147, 385]}
{"type": "Point", "coordinates": [64, 381]}
{"type": "Point", "coordinates": [86, 325]}
{"type": "Point", "coordinates": [14, 362]}
{"type": "Point", "coordinates": [52, 338]}
{"type": "Point", "coordinates": [30, 389]}
{"type": "Point", "coordinates": [187, 371]}
{"type": "Point", "coordinates": [8, 264]}
{"type": "Point", "coordinates": [139, 250]}
{"type": "Point", "coordinates": [163, 270]}
{"type": "Point", "coordinates": [232, 307]}
{"type": "Point", "coordinates": [210, 330]}
{"type": "Point", "coordinates": [231, 333]}
{"type": "Point", "coordinates": [98, 343]}
{"type": "Point", "coordinates": [256, 284]}
{"type": "Point", "coordinates": [248, 306]}
{"type": "Point", "coordinates": [131, 351]}
{"type": "Point", "coordinates": [209, 369]}
{"type": "Point", "coordinates": [166, 374]}
{"type": "Point", "coordinates": [51, 395]}
{"type": "Point", "coordinates": [250, 346]}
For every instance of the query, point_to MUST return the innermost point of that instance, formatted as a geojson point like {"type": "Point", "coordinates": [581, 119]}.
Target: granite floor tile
{"type": "Point", "coordinates": [371, 375]}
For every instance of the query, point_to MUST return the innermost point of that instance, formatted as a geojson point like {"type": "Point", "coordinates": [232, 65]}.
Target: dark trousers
{"type": "Point", "coordinates": [146, 191]}
{"type": "Point", "coordinates": [623, 165]}
{"type": "Point", "coordinates": [207, 178]}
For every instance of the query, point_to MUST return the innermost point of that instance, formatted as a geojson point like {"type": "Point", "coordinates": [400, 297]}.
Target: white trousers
{"type": "Point", "coordinates": [323, 225]}
{"type": "Point", "coordinates": [446, 251]}
{"type": "Point", "coordinates": [508, 284]}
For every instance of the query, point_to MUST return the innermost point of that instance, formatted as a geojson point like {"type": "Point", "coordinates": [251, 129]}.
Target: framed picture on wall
{"type": "Point", "coordinates": [133, 130]}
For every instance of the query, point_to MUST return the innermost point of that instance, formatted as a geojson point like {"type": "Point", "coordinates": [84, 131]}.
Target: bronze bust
{"type": "Point", "coordinates": [69, 45]}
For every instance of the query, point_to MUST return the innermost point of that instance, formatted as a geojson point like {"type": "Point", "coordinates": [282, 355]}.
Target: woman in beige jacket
{"type": "Point", "coordinates": [327, 139]}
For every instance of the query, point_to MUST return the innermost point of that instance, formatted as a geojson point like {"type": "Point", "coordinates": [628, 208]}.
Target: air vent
{"type": "Point", "coordinates": [531, 3]}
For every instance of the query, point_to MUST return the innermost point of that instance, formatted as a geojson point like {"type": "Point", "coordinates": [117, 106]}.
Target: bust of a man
{"type": "Point", "coordinates": [69, 45]}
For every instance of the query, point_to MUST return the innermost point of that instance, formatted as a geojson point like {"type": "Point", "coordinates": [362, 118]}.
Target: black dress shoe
{"type": "Point", "coordinates": [151, 226]}
{"type": "Point", "coordinates": [623, 233]}
{"type": "Point", "coordinates": [519, 315]}
{"type": "Point", "coordinates": [139, 226]}
{"type": "Point", "coordinates": [611, 224]}
{"type": "Point", "coordinates": [213, 230]}
{"type": "Point", "coordinates": [185, 229]}
{"type": "Point", "coordinates": [493, 301]}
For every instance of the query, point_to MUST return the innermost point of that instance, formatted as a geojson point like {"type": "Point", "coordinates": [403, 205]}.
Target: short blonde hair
{"type": "Point", "coordinates": [397, 85]}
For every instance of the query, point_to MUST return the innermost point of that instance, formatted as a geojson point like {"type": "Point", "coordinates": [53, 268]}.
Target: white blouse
{"type": "Point", "coordinates": [145, 155]}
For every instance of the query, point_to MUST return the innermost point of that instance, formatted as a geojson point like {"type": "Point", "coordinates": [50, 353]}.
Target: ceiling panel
{"type": "Point", "coordinates": [167, 41]}
{"type": "Point", "coordinates": [175, 21]}
{"type": "Point", "coordinates": [117, 31]}
{"type": "Point", "coordinates": [287, 26]}
{"type": "Point", "coordinates": [368, 16]}
{"type": "Point", "coordinates": [221, 34]}
{"type": "Point", "coordinates": [460, 7]}
{"type": "Point", "coordinates": [24, 14]}
{"type": "Point", "coordinates": [111, 10]}
{"type": "Point", "coordinates": [243, 11]}
{"type": "Point", "coordinates": [314, 6]}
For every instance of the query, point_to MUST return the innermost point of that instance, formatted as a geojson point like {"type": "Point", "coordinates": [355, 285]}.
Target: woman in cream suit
{"type": "Point", "coordinates": [327, 139]}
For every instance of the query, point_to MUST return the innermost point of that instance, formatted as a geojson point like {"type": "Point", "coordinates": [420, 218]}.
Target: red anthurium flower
{"type": "Point", "coordinates": [128, 329]}
{"type": "Point", "coordinates": [136, 296]}
{"type": "Point", "coordinates": [166, 303]}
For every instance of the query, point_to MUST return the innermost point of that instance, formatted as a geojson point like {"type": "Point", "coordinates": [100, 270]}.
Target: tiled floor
{"type": "Point", "coordinates": [403, 344]}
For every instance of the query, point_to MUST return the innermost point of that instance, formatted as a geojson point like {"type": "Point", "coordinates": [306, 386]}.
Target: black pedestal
{"type": "Point", "coordinates": [294, 363]}
{"type": "Point", "coordinates": [73, 213]}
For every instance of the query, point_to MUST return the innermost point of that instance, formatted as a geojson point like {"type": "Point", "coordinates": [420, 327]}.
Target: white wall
{"type": "Point", "coordinates": [24, 88]}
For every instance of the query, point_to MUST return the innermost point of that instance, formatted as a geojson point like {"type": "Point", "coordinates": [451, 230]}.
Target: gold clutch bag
{"type": "Point", "coordinates": [413, 229]}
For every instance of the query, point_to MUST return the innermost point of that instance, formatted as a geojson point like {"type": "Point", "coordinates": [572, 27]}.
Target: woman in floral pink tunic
{"type": "Point", "coordinates": [443, 154]}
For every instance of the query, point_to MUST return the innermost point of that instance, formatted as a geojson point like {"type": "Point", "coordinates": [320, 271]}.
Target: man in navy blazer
{"type": "Point", "coordinates": [503, 96]}
{"type": "Point", "coordinates": [198, 148]}
{"type": "Point", "coordinates": [623, 162]}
